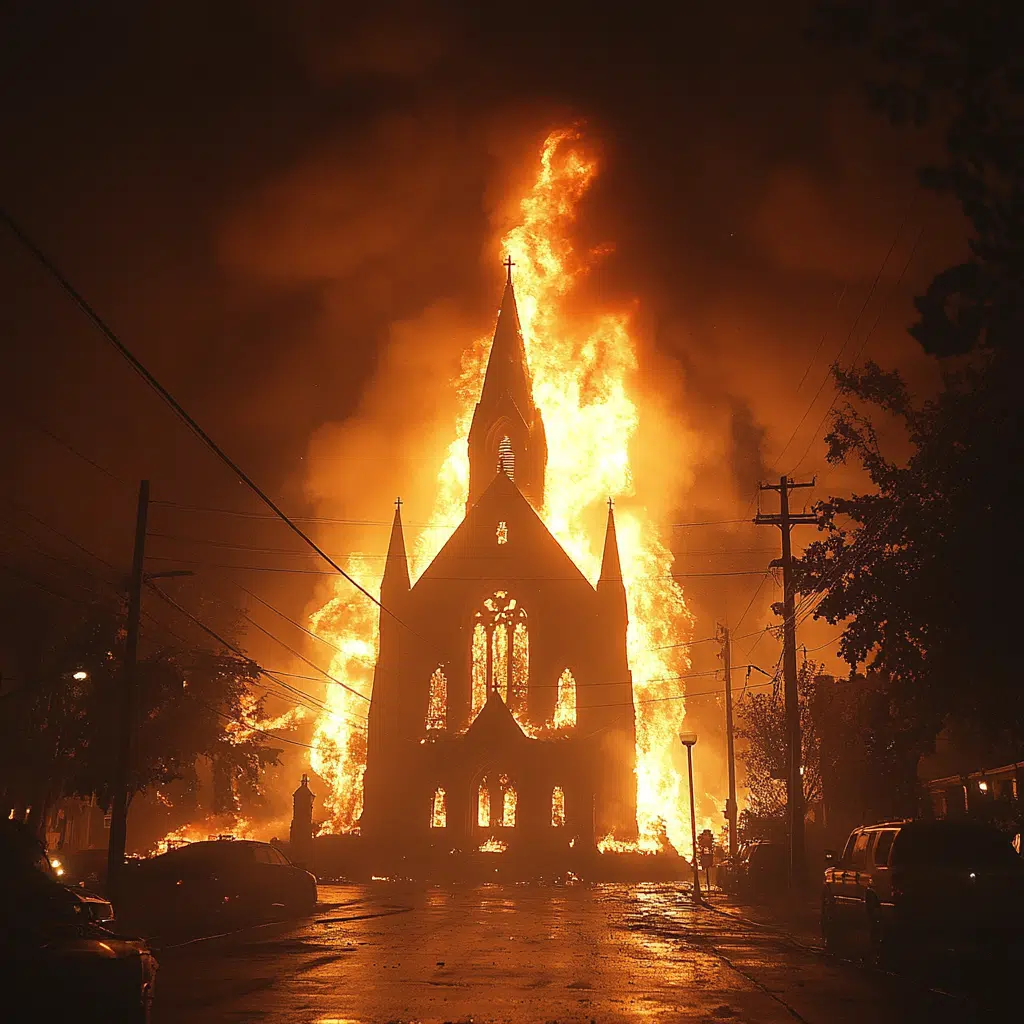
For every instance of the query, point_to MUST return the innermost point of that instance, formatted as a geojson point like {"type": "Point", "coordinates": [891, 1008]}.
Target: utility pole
{"type": "Point", "coordinates": [794, 781]}
{"type": "Point", "coordinates": [126, 711]}
{"type": "Point", "coordinates": [730, 806]}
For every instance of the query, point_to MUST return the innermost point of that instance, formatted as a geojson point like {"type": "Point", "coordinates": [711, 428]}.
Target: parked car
{"type": "Point", "coordinates": [58, 946]}
{"type": "Point", "coordinates": [903, 885]}
{"type": "Point", "coordinates": [758, 869]}
{"type": "Point", "coordinates": [222, 880]}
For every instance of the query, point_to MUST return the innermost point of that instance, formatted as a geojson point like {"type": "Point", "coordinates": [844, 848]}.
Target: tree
{"type": "Point", "coordinates": [917, 569]}
{"type": "Point", "coordinates": [57, 730]}
{"type": "Point", "coordinates": [959, 64]}
{"type": "Point", "coordinates": [762, 725]}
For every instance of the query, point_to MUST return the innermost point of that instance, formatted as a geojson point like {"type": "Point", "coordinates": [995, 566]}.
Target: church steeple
{"type": "Point", "coordinates": [396, 568]}
{"type": "Point", "coordinates": [507, 433]}
{"type": "Point", "coordinates": [610, 581]}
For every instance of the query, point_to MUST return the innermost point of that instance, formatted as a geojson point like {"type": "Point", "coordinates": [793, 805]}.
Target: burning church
{"type": "Point", "coordinates": [502, 709]}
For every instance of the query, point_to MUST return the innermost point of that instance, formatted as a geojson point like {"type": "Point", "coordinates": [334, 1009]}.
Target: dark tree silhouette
{"type": "Point", "coordinates": [923, 569]}
{"type": "Point", "coordinates": [57, 731]}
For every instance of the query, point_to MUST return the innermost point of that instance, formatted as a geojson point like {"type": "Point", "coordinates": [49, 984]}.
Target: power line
{"type": "Point", "coordinates": [302, 657]}
{"type": "Point", "coordinates": [137, 365]}
{"type": "Point", "coordinates": [380, 522]}
{"type": "Point", "coordinates": [298, 625]}
{"type": "Point", "coordinates": [885, 304]}
{"type": "Point", "coordinates": [67, 445]}
{"type": "Point", "coordinates": [230, 646]}
{"type": "Point", "coordinates": [842, 348]}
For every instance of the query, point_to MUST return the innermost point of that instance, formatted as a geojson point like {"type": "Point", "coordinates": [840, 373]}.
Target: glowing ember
{"type": "Point", "coordinates": [493, 846]}
{"type": "Point", "coordinates": [565, 707]}
{"type": "Point", "coordinates": [215, 827]}
{"type": "Point", "coordinates": [645, 844]}
{"type": "Point", "coordinates": [584, 367]}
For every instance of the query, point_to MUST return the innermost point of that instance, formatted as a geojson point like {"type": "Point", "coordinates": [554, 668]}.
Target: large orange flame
{"type": "Point", "coordinates": [584, 370]}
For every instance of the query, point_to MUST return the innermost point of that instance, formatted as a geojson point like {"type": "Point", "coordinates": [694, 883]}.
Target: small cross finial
{"type": "Point", "coordinates": [611, 504]}
{"type": "Point", "coordinates": [508, 264]}
{"type": "Point", "coordinates": [398, 504]}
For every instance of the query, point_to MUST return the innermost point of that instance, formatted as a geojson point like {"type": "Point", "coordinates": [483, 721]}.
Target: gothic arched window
{"type": "Point", "coordinates": [501, 653]}
{"type": "Point", "coordinates": [565, 703]}
{"type": "Point", "coordinates": [437, 702]}
{"type": "Point", "coordinates": [557, 807]}
{"type": "Point", "coordinates": [439, 809]}
{"type": "Point", "coordinates": [483, 805]}
{"type": "Point", "coordinates": [509, 799]}
{"type": "Point", "coordinates": [507, 457]}
{"type": "Point", "coordinates": [480, 669]}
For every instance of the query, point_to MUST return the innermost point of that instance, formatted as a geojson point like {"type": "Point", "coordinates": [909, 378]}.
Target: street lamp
{"type": "Point", "coordinates": [80, 675]}
{"type": "Point", "coordinates": [688, 739]}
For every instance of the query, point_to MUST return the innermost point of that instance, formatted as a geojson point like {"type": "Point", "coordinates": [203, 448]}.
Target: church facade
{"type": "Point", "coordinates": [502, 709]}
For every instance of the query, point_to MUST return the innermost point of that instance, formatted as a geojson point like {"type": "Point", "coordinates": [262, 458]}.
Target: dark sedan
{"type": "Point", "coordinates": [222, 880]}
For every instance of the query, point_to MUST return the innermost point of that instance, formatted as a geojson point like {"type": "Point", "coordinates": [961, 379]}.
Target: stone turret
{"type": "Point", "coordinates": [301, 834]}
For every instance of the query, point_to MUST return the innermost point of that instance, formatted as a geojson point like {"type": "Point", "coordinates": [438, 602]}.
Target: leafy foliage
{"type": "Point", "coordinates": [57, 733]}
{"type": "Point", "coordinates": [762, 725]}
{"type": "Point", "coordinates": [922, 569]}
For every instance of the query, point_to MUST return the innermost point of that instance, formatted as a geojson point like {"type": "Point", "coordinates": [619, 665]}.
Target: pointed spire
{"type": "Point", "coordinates": [611, 567]}
{"type": "Point", "coordinates": [396, 568]}
{"type": "Point", "coordinates": [507, 369]}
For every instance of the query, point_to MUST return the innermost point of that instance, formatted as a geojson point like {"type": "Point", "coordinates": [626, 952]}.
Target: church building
{"type": "Point", "coordinates": [502, 709]}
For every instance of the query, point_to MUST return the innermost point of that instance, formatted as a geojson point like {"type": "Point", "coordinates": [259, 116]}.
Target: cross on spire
{"type": "Point", "coordinates": [611, 504]}
{"type": "Point", "coordinates": [399, 503]}
{"type": "Point", "coordinates": [508, 265]}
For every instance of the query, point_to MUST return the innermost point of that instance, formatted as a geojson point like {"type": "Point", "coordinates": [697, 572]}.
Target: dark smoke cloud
{"type": "Point", "coordinates": [288, 212]}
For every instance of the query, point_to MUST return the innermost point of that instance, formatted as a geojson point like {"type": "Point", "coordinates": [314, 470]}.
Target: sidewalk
{"type": "Point", "coordinates": [797, 917]}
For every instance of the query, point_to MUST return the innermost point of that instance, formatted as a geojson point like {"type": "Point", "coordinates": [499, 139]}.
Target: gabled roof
{"type": "Point", "coordinates": [530, 553]}
{"type": "Point", "coordinates": [495, 724]}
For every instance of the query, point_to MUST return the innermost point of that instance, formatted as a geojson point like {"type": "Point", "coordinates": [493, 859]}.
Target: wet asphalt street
{"type": "Point", "coordinates": [394, 952]}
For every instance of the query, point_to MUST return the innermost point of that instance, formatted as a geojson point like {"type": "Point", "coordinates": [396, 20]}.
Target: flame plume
{"type": "Point", "coordinates": [584, 370]}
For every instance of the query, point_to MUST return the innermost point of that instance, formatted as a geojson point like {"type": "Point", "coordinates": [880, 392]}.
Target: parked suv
{"type": "Point", "coordinates": [902, 884]}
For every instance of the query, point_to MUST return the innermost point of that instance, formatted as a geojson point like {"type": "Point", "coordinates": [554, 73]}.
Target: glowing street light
{"type": "Point", "coordinates": [80, 675]}
{"type": "Point", "coordinates": [688, 739]}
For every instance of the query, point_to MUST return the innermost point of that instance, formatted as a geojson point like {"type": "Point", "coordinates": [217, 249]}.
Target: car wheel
{"type": "Point", "coordinates": [831, 931]}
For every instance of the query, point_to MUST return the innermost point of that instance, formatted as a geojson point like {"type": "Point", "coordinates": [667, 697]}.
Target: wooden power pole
{"type": "Point", "coordinates": [730, 806]}
{"type": "Point", "coordinates": [126, 713]}
{"type": "Point", "coordinates": [794, 780]}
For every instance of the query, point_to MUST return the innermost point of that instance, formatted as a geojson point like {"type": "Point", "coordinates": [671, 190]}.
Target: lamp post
{"type": "Point", "coordinates": [688, 739]}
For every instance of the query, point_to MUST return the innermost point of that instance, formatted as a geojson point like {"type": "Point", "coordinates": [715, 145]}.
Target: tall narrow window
{"type": "Point", "coordinates": [439, 809]}
{"type": "Point", "coordinates": [479, 696]}
{"type": "Point", "coordinates": [437, 703]}
{"type": "Point", "coordinates": [507, 458]}
{"type": "Point", "coordinates": [520, 667]}
{"type": "Point", "coordinates": [557, 807]}
{"type": "Point", "coordinates": [508, 807]}
{"type": "Point", "coordinates": [483, 805]}
{"type": "Point", "coordinates": [500, 661]}
{"type": "Point", "coordinates": [565, 705]}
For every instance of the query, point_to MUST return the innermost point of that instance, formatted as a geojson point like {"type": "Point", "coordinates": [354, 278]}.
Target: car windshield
{"type": "Point", "coordinates": [952, 843]}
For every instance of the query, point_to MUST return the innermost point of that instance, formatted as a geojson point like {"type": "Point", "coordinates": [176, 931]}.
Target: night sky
{"type": "Point", "coordinates": [275, 203]}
